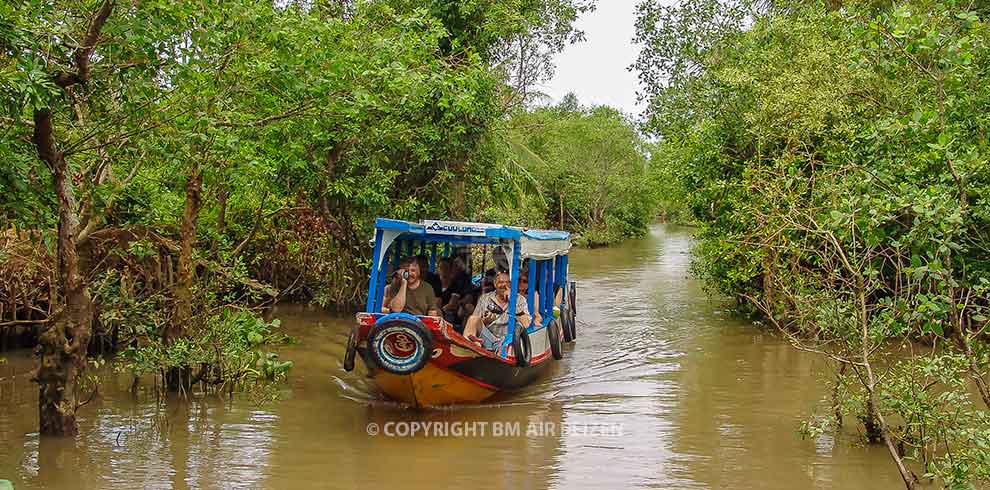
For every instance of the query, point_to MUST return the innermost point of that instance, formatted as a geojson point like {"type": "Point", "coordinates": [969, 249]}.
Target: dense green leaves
{"type": "Point", "coordinates": [253, 144]}
{"type": "Point", "coordinates": [835, 158]}
{"type": "Point", "coordinates": [590, 169]}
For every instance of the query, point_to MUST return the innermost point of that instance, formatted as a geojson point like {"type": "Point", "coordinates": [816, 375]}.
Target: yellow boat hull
{"type": "Point", "coordinates": [432, 386]}
{"type": "Point", "coordinates": [457, 372]}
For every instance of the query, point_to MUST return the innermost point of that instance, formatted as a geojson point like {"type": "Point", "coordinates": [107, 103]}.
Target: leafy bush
{"type": "Point", "coordinates": [589, 170]}
{"type": "Point", "coordinates": [233, 349]}
{"type": "Point", "coordinates": [834, 157]}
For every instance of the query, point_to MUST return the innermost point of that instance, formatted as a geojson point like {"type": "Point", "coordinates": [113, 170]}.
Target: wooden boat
{"type": "Point", "coordinates": [424, 360]}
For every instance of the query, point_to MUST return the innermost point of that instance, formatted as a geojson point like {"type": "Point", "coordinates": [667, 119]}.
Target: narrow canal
{"type": "Point", "coordinates": [663, 389]}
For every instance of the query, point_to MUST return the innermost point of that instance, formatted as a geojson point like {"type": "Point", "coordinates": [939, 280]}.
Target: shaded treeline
{"type": "Point", "coordinates": [835, 157]}
{"type": "Point", "coordinates": [169, 168]}
{"type": "Point", "coordinates": [589, 172]}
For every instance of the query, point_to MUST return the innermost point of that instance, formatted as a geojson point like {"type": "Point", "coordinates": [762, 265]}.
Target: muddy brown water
{"type": "Point", "coordinates": [663, 389]}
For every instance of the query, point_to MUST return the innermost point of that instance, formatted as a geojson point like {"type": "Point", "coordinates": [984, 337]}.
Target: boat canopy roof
{"type": "Point", "coordinates": [538, 244]}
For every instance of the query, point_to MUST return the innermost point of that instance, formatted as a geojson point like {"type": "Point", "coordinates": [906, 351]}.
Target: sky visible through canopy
{"type": "Point", "coordinates": [597, 70]}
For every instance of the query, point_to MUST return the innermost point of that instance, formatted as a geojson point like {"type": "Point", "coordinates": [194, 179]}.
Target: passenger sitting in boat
{"type": "Point", "coordinates": [501, 264]}
{"type": "Point", "coordinates": [455, 287]}
{"type": "Point", "coordinates": [409, 294]}
{"type": "Point", "coordinates": [467, 287]}
{"type": "Point", "coordinates": [524, 291]}
{"type": "Point", "coordinates": [489, 323]}
{"type": "Point", "coordinates": [431, 278]}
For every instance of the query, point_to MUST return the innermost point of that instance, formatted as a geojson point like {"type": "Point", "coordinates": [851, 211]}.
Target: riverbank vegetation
{"type": "Point", "coordinates": [835, 157]}
{"type": "Point", "coordinates": [590, 173]}
{"type": "Point", "coordinates": [171, 168]}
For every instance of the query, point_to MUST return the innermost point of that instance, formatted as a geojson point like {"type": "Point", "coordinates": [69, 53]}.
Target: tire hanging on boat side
{"type": "Point", "coordinates": [351, 350]}
{"type": "Point", "coordinates": [554, 332]}
{"type": "Point", "coordinates": [400, 345]}
{"type": "Point", "coordinates": [573, 323]}
{"type": "Point", "coordinates": [521, 347]}
{"type": "Point", "coordinates": [566, 321]}
{"type": "Point", "coordinates": [572, 309]}
{"type": "Point", "coordinates": [572, 293]}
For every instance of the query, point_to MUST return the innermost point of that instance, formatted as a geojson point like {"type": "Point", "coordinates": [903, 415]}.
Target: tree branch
{"type": "Point", "coordinates": [257, 224]}
{"type": "Point", "coordinates": [43, 140]}
{"type": "Point", "coordinates": [270, 119]}
{"type": "Point", "coordinates": [85, 51]}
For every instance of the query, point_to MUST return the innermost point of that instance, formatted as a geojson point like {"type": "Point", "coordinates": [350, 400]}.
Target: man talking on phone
{"type": "Point", "coordinates": [409, 294]}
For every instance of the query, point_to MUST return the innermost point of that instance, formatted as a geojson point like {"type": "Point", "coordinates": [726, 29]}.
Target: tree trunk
{"type": "Point", "coordinates": [870, 423]}
{"type": "Point", "coordinates": [906, 475]}
{"type": "Point", "coordinates": [221, 218]}
{"type": "Point", "coordinates": [836, 409]}
{"type": "Point", "coordinates": [178, 378]}
{"type": "Point", "coordinates": [186, 267]}
{"type": "Point", "coordinates": [329, 166]}
{"type": "Point", "coordinates": [873, 413]}
{"type": "Point", "coordinates": [63, 343]}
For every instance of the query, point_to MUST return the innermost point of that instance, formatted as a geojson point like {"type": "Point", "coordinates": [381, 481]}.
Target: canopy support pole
{"type": "Point", "coordinates": [531, 290]}
{"type": "Point", "coordinates": [376, 267]}
{"type": "Point", "coordinates": [513, 296]}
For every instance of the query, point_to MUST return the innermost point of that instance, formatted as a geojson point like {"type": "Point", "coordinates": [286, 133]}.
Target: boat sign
{"type": "Point", "coordinates": [455, 228]}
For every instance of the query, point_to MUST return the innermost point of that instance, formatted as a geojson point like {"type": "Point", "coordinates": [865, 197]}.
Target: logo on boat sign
{"type": "Point", "coordinates": [453, 228]}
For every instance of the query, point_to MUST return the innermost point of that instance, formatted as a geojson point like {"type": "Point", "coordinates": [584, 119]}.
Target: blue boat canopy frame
{"type": "Point", "coordinates": [547, 250]}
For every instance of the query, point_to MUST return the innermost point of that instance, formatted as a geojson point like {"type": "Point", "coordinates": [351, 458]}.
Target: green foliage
{"type": "Point", "coordinates": [263, 136]}
{"type": "Point", "coordinates": [835, 161]}
{"type": "Point", "coordinates": [296, 113]}
{"type": "Point", "coordinates": [591, 172]}
{"type": "Point", "coordinates": [489, 27]}
{"type": "Point", "coordinates": [665, 181]}
{"type": "Point", "coordinates": [234, 344]}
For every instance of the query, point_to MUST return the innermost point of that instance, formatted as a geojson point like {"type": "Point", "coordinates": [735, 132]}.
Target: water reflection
{"type": "Point", "coordinates": [702, 400]}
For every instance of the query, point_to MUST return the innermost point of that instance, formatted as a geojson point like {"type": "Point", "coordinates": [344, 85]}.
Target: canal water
{"type": "Point", "coordinates": [663, 389]}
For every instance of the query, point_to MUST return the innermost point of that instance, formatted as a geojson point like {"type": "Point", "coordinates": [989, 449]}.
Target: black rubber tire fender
{"type": "Point", "coordinates": [572, 306]}
{"type": "Point", "coordinates": [573, 325]}
{"type": "Point", "coordinates": [572, 297]}
{"type": "Point", "coordinates": [351, 350]}
{"type": "Point", "coordinates": [521, 347]}
{"type": "Point", "coordinates": [554, 332]}
{"type": "Point", "coordinates": [400, 345]}
{"type": "Point", "coordinates": [566, 320]}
